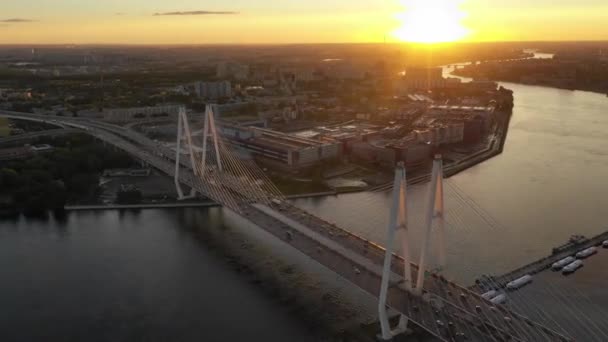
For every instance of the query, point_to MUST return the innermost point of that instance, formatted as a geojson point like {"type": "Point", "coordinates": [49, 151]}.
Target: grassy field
{"type": "Point", "coordinates": [5, 131]}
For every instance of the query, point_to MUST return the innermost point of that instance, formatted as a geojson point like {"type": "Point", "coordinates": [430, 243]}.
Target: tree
{"type": "Point", "coordinates": [9, 178]}
{"type": "Point", "coordinates": [131, 196]}
{"type": "Point", "coordinates": [56, 195]}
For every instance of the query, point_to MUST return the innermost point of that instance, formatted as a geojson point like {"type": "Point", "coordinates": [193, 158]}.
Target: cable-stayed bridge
{"type": "Point", "coordinates": [421, 295]}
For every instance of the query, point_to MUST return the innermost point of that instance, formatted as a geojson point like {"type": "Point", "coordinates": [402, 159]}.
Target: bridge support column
{"type": "Point", "coordinates": [434, 211]}
{"type": "Point", "coordinates": [210, 129]}
{"type": "Point", "coordinates": [439, 215]}
{"type": "Point", "coordinates": [397, 221]}
{"type": "Point", "coordinates": [183, 127]}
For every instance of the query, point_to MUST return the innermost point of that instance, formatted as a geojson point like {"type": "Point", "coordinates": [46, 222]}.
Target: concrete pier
{"type": "Point", "coordinates": [561, 252]}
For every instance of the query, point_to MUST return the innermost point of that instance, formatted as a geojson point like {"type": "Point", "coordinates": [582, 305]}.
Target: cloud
{"type": "Point", "coordinates": [16, 20]}
{"type": "Point", "coordinates": [197, 13]}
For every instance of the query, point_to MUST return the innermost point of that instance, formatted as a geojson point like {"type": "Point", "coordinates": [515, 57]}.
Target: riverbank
{"type": "Point", "coordinates": [191, 204]}
{"type": "Point", "coordinates": [492, 149]}
{"type": "Point", "coordinates": [538, 83]}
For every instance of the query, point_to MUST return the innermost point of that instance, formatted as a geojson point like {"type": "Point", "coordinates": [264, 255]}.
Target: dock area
{"type": "Point", "coordinates": [576, 244]}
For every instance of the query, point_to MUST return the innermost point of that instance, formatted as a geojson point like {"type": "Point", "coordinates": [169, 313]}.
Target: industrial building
{"type": "Point", "coordinates": [412, 152]}
{"type": "Point", "coordinates": [388, 153]}
{"type": "Point", "coordinates": [373, 153]}
{"type": "Point", "coordinates": [279, 149]}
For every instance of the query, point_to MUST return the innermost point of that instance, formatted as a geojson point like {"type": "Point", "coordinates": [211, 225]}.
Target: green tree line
{"type": "Point", "coordinates": [68, 174]}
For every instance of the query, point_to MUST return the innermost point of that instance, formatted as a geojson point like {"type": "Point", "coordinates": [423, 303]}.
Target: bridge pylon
{"type": "Point", "coordinates": [435, 213]}
{"type": "Point", "coordinates": [397, 222]}
{"type": "Point", "coordinates": [209, 130]}
{"type": "Point", "coordinates": [183, 132]}
{"type": "Point", "coordinates": [199, 167]}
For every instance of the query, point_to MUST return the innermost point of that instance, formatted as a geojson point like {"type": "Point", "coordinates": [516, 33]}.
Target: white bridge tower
{"type": "Point", "coordinates": [435, 212]}
{"type": "Point", "coordinates": [184, 133]}
{"type": "Point", "coordinates": [398, 222]}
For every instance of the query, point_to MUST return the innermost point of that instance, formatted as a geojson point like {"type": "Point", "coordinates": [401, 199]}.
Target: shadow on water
{"type": "Point", "coordinates": [124, 213]}
{"type": "Point", "coordinates": [206, 225]}
{"type": "Point", "coordinates": [60, 216]}
{"type": "Point", "coordinates": [10, 220]}
{"type": "Point", "coordinates": [214, 230]}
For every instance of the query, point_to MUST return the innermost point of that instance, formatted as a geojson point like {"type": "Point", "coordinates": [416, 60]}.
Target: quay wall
{"type": "Point", "coordinates": [568, 249]}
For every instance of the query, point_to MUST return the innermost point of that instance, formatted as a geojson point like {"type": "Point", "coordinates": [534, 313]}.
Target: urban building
{"type": "Point", "coordinates": [307, 75]}
{"type": "Point", "coordinates": [245, 121]}
{"type": "Point", "coordinates": [232, 70]}
{"type": "Point", "coordinates": [440, 133]}
{"type": "Point", "coordinates": [213, 90]}
{"type": "Point", "coordinates": [281, 150]}
{"type": "Point", "coordinates": [424, 79]}
{"type": "Point", "coordinates": [462, 113]}
{"type": "Point", "coordinates": [412, 152]}
{"type": "Point", "coordinates": [473, 129]}
{"type": "Point", "coordinates": [370, 152]}
{"type": "Point", "coordinates": [121, 115]}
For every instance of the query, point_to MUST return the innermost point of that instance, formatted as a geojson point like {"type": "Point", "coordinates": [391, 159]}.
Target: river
{"type": "Point", "coordinates": [149, 276]}
{"type": "Point", "coordinates": [130, 276]}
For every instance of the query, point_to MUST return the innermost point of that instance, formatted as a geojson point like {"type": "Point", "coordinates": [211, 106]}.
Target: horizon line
{"type": "Point", "coordinates": [309, 43]}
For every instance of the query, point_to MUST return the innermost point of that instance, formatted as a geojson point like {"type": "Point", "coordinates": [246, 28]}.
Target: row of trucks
{"type": "Point", "coordinates": [567, 265]}
{"type": "Point", "coordinates": [500, 297]}
{"type": "Point", "coordinates": [571, 264]}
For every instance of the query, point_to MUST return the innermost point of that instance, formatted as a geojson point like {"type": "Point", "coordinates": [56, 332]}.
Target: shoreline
{"type": "Point", "coordinates": [538, 84]}
{"type": "Point", "coordinates": [199, 204]}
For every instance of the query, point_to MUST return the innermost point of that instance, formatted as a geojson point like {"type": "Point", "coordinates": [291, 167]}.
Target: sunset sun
{"type": "Point", "coordinates": [431, 21]}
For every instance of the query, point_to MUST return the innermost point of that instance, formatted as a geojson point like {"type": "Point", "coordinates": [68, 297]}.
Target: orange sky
{"type": "Point", "coordinates": [289, 21]}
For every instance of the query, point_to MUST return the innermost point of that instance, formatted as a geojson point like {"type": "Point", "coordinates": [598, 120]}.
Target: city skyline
{"type": "Point", "coordinates": [276, 22]}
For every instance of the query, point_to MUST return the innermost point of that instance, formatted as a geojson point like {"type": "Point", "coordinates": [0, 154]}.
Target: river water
{"type": "Point", "coordinates": [145, 276]}
{"type": "Point", "coordinates": [148, 276]}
